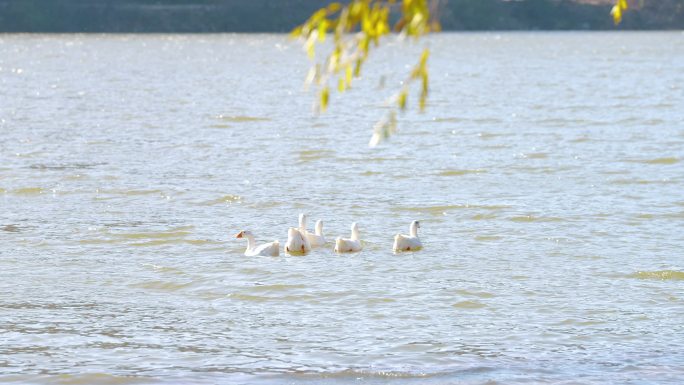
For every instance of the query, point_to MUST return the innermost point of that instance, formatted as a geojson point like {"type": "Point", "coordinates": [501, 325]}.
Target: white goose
{"type": "Point", "coordinates": [349, 245]}
{"type": "Point", "coordinates": [271, 249]}
{"type": "Point", "coordinates": [409, 242]}
{"type": "Point", "coordinates": [317, 239]}
{"type": "Point", "coordinates": [297, 240]}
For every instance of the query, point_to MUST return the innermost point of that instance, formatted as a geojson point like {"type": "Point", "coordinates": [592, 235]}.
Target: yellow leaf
{"type": "Point", "coordinates": [402, 99]}
{"type": "Point", "coordinates": [356, 9]}
{"type": "Point", "coordinates": [623, 4]}
{"type": "Point", "coordinates": [325, 96]}
{"type": "Point", "coordinates": [357, 67]}
{"type": "Point", "coordinates": [363, 44]}
{"type": "Point", "coordinates": [296, 32]}
{"type": "Point", "coordinates": [424, 57]}
{"type": "Point", "coordinates": [334, 7]}
{"type": "Point", "coordinates": [334, 60]}
{"type": "Point", "coordinates": [425, 82]}
{"type": "Point", "coordinates": [416, 22]}
{"type": "Point", "coordinates": [617, 14]}
{"type": "Point", "coordinates": [341, 86]}
{"type": "Point", "coordinates": [322, 30]}
{"type": "Point", "coordinates": [311, 76]}
{"type": "Point", "coordinates": [320, 14]}
{"type": "Point", "coordinates": [348, 73]}
{"type": "Point", "coordinates": [310, 49]}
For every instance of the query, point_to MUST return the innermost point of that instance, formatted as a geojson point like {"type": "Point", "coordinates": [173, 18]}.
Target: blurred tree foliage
{"type": "Point", "coordinates": [355, 28]}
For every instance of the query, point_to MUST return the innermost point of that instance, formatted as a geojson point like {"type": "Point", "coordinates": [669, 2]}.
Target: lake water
{"type": "Point", "coordinates": [547, 171]}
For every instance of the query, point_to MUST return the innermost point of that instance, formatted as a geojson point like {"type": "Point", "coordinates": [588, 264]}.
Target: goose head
{"type": "Point", "coordinates": [354, 231]}
{"type": "Point", "coordinates": [244, 234]}
{"type": "Point", "coordinates": [302, 221]}
{"type": "Point", "coordinates": [413, 229]}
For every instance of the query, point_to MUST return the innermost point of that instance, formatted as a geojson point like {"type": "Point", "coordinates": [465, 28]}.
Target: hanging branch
{"type": "Point", "coordinates": [356, 29]}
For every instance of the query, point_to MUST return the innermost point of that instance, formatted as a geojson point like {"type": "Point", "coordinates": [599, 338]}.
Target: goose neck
{"type": "Point", "coordinates": [413, 231]}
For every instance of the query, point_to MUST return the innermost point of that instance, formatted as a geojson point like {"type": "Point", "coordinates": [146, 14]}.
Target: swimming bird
{"type": "Point", "coordinates": [271, 249]}
{"type": "Point", "coordinates": [317, 239]}
{"type": "Point", "coordinates": [297, 240]}
{"type": "Point", "coordinates": [409, 242]}
{"type": "Point", "coordinates": [349, 245]}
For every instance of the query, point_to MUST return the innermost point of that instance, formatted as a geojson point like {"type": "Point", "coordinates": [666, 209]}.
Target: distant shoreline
{"type": "Point", "coordinates": [268, 16]}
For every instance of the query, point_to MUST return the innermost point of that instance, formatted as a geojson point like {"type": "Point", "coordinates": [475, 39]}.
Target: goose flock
{"type": "Point", "coordinates": [300, 241]}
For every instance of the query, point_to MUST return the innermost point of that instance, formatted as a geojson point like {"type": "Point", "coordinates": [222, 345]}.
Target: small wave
{"type": "Point", "coordinates": [29, 191]}
{"type": "Point", "coordinates": [441, 210]}
{"type": "Point", "coordinates": [461, 172]}
{"type": "Point", "coordinates": [486, 238]}
{"type": "Point", "coordinates": [267, 205]}
{"type": "Point", "coordinates": [263, 298]}
{"type": "Point", "coordinates": [535, 155]}
{"type": "Point", "coordinates": [100, 241]}
{"type": "Point", "coordinates": [161, 285]}
{"type": "Point", "coordinates": [663, 275]}
{"type": "Point", "coordinates": [378, 159]}
{"type": "Point", "coordinates": [581, 139]}
{"type": "Point", "coordinates": [448, 120]}
{"type": "Point", "coordinates": [161, 242]}
{"type": "Point", "coordinates": [130, 192]}
{"type": "Point", "coordinates": [640, 181]}
{"type": "Point", "coordinates": [357, 374]}
{"type": "Point", "coordinates": [65, 166]}
{"type": "Point", "coordinates": [10, 228]}
{"type": "Point", "coordinates": [480, 294]}
{"type": "Point", "coordinates": [369, 173]}
{"type": "Point", "coordinates": [561, 122]}
{"type": "Point", "coordinates": [469, 305]}
{"type": "Point", "coordinates": [223, 200]}
{"type": "Point", "coordinates": [164, 269]}
{"type": "Point", "coordinates": [150, 238]}
{"type": "Point", "coordinates": [85, 379]}
{"type": "Point", "coordinates": [276, 287]}
{"type": "Point", "coordinates": [571, 321]}
{"type": "Point", "coordinates": [532, 218]}
{"type": "Point", "coordinates": [47, 305]}
{"type": "Point", "coordinates": [311, 155]}
{"type": "Point", "coordinates": [663, 160]}
{"type": "Point", "coordinates": [482, 217]}
{"type": "Point", "coordinates": [374, 301]}
{"type": "Point", "coordinates": [172, 233]}
{"type": "Point", "coordinates": [487, 121]}
{"type": "Point", "coordinates": [490, 135]}
{"type": "Point", "coordinates": [76, 177]}
{"type": "Point", "coordinates": [668, 160]}
{"type": "Point", "coordinates": [241, 118]}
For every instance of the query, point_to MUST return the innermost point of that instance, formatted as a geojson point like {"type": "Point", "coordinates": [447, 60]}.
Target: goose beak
{"type": "Point", "coordinates": [239, 235]}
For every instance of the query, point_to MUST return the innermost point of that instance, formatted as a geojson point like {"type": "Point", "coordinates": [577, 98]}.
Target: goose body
{"type": "Point", "coordinates": [297, 239]}
{"type": "Point", "coordinates": [349, 245]}
{"type": "Point", "coordinates": [271, 249]}
{"type": "Point", "coordinates": [317, 239]}
{"type": "Point", "coordinates": [296, 242]}
{"type": "Point", "coordinates": [409, 242]}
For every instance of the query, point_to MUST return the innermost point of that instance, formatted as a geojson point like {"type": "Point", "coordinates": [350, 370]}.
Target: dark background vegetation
{"type": "Point", "coordinates": [283, 15]}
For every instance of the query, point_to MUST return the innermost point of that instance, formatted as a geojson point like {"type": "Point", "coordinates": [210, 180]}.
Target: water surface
{"type": "Point", "coordinates": [548, 173]}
